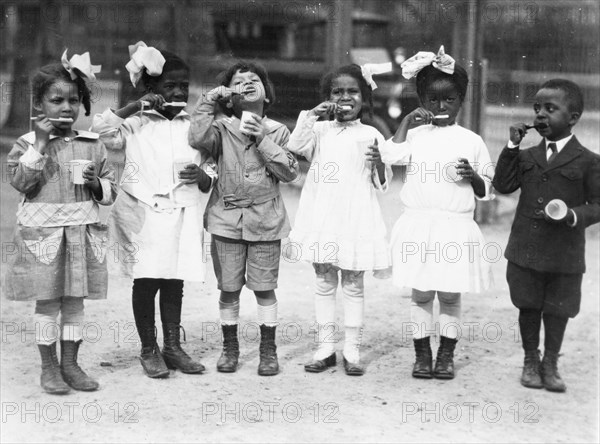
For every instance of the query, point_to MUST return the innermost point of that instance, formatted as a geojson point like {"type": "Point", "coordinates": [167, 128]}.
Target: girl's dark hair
{"type": "Point", "coordinates": [55, 72]}
{"type": "Point", "coordinates": [224, 78]}
{"type": "Point", "coordinates": [172, 63]}
{"type": "Point", "coordinates": [430, 74]}
{"type": "Point", "coordinates": [355, 72]}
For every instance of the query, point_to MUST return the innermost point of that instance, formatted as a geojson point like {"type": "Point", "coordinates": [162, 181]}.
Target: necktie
{"type": "Point", "coordinates": [552, 147]}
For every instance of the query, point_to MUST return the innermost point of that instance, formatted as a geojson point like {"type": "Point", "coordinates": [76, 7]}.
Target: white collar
{"type": "Point", "coordinates": [30, 137]}
{"type": "Point", "coordinates": [560, 144]}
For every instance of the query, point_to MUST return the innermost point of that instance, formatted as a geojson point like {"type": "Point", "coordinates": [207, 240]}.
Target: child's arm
{"type": "Point", "coordinates": [397, 151]}
{"type": "Point", "coordinates": [101, 180]}
{"type": "Point", "coordinates": [466, 171]}
{"type": "Point", "coordinates": [204, 134]}
{"type": "Point", "coordinates": [506, 178]}
{"type": "Point", "coordinates": [303, 140]}
{"type": "Point", "coordinates": [278, 160]}
{"type": "Point", "coordinates": [586, 215]}
{"type": "Point", "coordinates": [27, 159]}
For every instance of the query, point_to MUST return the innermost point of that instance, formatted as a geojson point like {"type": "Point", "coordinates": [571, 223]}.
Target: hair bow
{"type": "Point", "coordinates": [80, 65]}
{"type": "Point", "coordinates": [144, 57]}
{"type": "Point", "coordinates": [420, 60]}
{"type": "Point", "coordinates": [370, 69]}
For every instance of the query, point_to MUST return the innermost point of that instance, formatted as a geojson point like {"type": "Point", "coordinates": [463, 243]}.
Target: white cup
{"type": "Point", "coordinates": [179, 165]}
{"type": "Point", "coordinates": [556, 209]}
{"type": "Point", "coordinates": [76, 167]}
{"type": "Point", "coordinates": [452, 171]}
{"type": "Point", "coordinates": [246, 117]}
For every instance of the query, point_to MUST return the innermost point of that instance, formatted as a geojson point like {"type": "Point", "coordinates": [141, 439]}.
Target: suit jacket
{"type": "Point", "coordinates": [574, 177]}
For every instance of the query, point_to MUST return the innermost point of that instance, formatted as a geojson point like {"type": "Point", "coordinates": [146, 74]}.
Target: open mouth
{"type": "Point", "coordinates": [345, 107]}
{"type": "Point", "coordinates": [61, 119]}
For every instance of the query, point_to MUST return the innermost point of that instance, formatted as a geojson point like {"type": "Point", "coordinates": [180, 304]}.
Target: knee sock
{"type": "Point", "coordinates": [421, 313]}
{"type": "Point", "coordinates": [72, 315]}
{"type": "Point", "coordinates": [530, 322]}
{"type": "Point", "coordinates": [267, 314]}
{"type": "Point", "coordinates": [229, 312]}
{"type": "Point", "coordinates": [325, 290]}
{"type": "Point", "coordinates": [449, 314]}
{"type": "Point", "coordinates": [47, 330]}
{"type": "Point", "coordinates": [170, 302]}
{"type": "Point", "coordinates": [354, 308]}
{"type": "Point", "coordinates": [554, 332]}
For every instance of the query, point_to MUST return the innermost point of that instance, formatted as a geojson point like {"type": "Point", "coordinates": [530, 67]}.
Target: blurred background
{"type": "Point", "coordinates": [509, 48]}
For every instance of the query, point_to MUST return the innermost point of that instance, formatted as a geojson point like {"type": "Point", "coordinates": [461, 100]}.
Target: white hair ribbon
{"type": "Point", "coordinates": [420, 60]}
{"type": "Point", "coordinates": [371, 69]}
{"type": "Point", "coordinates": [80, 65]}
{"type": "Point", "coordinates": [144, 57]}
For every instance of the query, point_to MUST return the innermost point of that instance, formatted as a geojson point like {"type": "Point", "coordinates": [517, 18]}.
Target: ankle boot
{"type": "Point", "coordinates": [231, 349]}
{"type": "Point", "coordinates": [150, 357]}
{"type": "Point", "coordinates": [268, 365]}
{"type": "Point", "coordinates": [423, 362]}
{"type": "Point", "coordinates": [531, 370]}
{"type": "Point", "coordinates": [549, 371]}
{"type": "Point", "coordinates": [71, 372]}
{"type": "Point", "coordinates": [444, 362]}
{"type": "Point", "coordinates": [173, 354]}
{"type": "Point", "coordinates": [51, 379]}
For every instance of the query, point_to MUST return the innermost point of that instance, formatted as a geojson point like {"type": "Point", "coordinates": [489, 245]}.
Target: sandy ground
{"type": "Point", "coordinates": [484, 403]}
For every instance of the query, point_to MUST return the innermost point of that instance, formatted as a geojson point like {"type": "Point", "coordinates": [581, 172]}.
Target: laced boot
{"type": "Point", "coordinates": [268, 365]}
{"type": "Point", "coordinates": [51, 380]}
{"type": "Point", "coordinates": [71, 372]}
{"type": "Point", "coordinates": [228, 361]}
{"type": "Point", "coordinates": [531, 370]}
{"type": "Point", "coordinates": [173, 354]}
{"type": "Point", "coordinates": [423, 362]}
{"type": "Point", "coordinates": [150, 357]}
{"type": "Point", "coordinates": [549, 371]}
{"type": "Point", "coordinates": [444, 363]}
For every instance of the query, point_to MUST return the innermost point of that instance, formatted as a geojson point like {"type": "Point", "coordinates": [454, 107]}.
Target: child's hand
{"type": "Point", "coordinates": [220, 93]}
{"type": "Point", "coordinates": [465, 170]}
{"type": "Point", "coordinates": [90, 177]}
{"type": "Point", "coordinates": [517, 133]}
{"type": "Point", "coordinates": [255, 128]}
{"type": "Point", "coordinates": [373, 155]}
{"type": "Point", "coordinates": [155, 101]}
{"type": "Point", "coordinates": [43, 127]}
{"type": "Point", "coordinates": [323, 109]}
{"type": "Point", "coordinates": [192, 173]}
{"type": "Point", "coordinates": [419, 116]}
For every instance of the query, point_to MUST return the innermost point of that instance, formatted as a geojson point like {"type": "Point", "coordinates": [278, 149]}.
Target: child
{"type": "Point", "coordinates": [436, 244]}
{"type": "Point", "coordinates": [245, 213]}
{"type": "Point", "coordinates": [546, 257]}
{"type": "Point", "coordinates": [156, 221]}
{"type": "Point", "coordinates": [59, 239]}
{"type": "Point", "coordinates": [339, 226]}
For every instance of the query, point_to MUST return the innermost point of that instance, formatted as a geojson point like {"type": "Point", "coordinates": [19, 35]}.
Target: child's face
{"type": "Point", "coordinates": [553, 118]}
{"type": "Point", "coordinates": [442, 98]}
{"type": "Point", "coordinates": [345, 90]}
{"type": "Point", "coordinates": [174, 87]}
{"type": "Point", "coordinates": [251, 94]}
{"type": "Point", "coordinates": [60, 100]}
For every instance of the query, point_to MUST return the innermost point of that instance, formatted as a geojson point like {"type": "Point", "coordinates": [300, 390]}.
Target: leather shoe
{"type": "Point", "coordinates": [353, 369]}
{"type": "Point", "coordinates": [320, 365]}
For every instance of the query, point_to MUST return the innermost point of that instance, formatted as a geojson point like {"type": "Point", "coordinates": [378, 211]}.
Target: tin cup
{"type": "Point", "coordinates": [179, 165]}
{"type": "Point", "coordinates": [246, 117]}
{"type": "Point", "coordinates": [556, 209]}
{"type": "Point", "coordinates": [77, 167]}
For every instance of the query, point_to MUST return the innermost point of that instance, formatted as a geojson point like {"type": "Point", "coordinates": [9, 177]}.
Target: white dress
{"type": "Point", "coordinates": [338, 220]}
{"type": "Point", "coordinates": [436, 244]}
{"type": "Point", "coordinates": [155, 225]}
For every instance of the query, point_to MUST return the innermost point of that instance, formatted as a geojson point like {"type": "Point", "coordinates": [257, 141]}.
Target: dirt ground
{"type": "Point", "coordinates": [484, 403]}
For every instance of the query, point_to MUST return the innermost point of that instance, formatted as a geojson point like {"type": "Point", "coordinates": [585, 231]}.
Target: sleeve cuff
{"type": "Point", "coordinates": [388, 174]}
{"type": "Point", "coordinates": [574, 219]}
{"type": "Point", "coordinates": [111, 118]}
{"type": "Point", "coordinates": [106, 192]}
{"type": "Point", "coordinates": [33, 159]}
{"type": "Point", "coordinates": [511, 145]}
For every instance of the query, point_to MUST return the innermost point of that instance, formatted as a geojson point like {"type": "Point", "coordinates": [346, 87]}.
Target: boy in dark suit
{"type": "Point", "coordinates": [546, 256]}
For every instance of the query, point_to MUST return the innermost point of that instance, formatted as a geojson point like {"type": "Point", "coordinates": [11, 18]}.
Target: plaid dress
{"type": "Point", "coordinates": [59, 247]}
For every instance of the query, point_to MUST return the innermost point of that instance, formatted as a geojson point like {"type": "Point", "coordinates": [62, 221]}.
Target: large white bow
{"type": "Point", "coordinates": [420, 60]}
{"type": "Point", "coordinates": [142, 57]}
{"type": "Point", "coordinates": [370, 69]}
{"type": "Point", "coordinates": [80, 65]}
